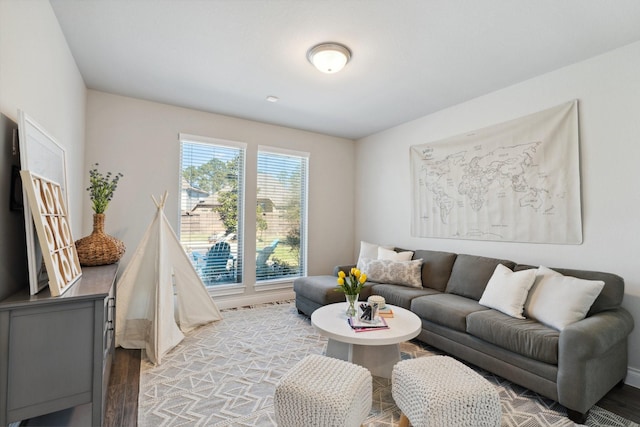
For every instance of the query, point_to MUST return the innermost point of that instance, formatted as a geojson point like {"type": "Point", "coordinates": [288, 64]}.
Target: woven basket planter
{"type": "Point", "coordinates": [99, 248]}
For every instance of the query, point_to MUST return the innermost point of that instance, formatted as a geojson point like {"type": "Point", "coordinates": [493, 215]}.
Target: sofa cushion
{"type": "Point", "coordinates": [446, 309]}
{"type": "Point", "coordinates": [407, 273]}
{"type": "Point", "coordinates": [323, 289]}
{"type": "Point", "coordinates": [470, 275]}
{"type": "Point", "coordinates": [507, 290]}
{"type": "Point", "coordinates": [523, 336]}
{"type": "Point", "coordinates": [557, 300]}
{"type": "Point", "coordinates": [436, 267]}
{"type": "Point", "coordinates": [400, 295]}
{"type": "Point", "coordinates": [611, 295]}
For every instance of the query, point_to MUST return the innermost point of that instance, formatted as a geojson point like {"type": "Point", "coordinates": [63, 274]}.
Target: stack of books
{"type": "Point", "coordinates": [385, 312]}
{"type": "Point", "coordinates": [361, 326]}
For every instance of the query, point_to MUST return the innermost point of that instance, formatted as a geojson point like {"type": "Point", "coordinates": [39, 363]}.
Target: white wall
{"type": "Point", "coordinates": [608, 90]}
{"type": "Point", "coordinates": [140, 139]}
{"type": "Point", "coordinates": [39, 75]}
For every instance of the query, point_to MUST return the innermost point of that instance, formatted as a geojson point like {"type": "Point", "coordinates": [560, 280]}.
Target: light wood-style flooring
{"type": "Point", "coordinates": [122, 395]}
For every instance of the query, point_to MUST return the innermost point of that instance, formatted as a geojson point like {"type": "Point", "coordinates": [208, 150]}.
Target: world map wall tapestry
{"type": "Point", "coordinates": [517, 181]}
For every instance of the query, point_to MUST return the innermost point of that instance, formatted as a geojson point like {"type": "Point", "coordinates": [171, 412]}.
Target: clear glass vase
{"type": "Point", "coordinates": [351, 304]}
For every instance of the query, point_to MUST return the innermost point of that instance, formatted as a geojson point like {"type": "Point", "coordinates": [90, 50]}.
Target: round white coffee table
{"type": "Point", "coordinates": [377, 350]}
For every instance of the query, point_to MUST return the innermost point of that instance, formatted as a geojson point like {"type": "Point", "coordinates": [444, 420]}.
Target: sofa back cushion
{"type": "Point", "coordinates": [609, 298]}
{"type": "Point", "coordinates": [471, 273]}
{"type": "Point", "coordinates": [436, 268]}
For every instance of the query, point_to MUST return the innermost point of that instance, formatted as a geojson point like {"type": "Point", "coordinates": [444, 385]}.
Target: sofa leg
{"type": "Point", "coordinates": [577, 417]}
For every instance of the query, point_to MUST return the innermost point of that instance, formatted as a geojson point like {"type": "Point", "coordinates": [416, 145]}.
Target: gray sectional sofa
{"type": "Point", "coordinates": [576, 366]}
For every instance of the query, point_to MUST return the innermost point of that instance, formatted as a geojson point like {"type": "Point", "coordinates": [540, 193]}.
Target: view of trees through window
{"type": "Point", "coordinates": [210, 229]}
{"type": "Point", "coordinates": [211, 203]}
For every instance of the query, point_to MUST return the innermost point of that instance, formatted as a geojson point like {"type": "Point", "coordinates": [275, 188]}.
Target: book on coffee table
{"type": "Point", "coordinates": [385, 312]}
{"type": "Point", "coordinates": [360, 326]}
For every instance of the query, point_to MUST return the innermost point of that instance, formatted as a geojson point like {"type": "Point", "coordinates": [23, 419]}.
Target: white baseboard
{"type": "Point", "coordinates": [633, 377]}
{"type": "Point", "coordinates": [232, 301]}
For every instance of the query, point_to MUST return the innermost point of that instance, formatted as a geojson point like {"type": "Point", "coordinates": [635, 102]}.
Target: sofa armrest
{"type": "Point", "coordinates": [592, 358]}
{"type": "Point", "coordinates": [594, 335]}
{"type": "Point", "coordinates": [345, 268]}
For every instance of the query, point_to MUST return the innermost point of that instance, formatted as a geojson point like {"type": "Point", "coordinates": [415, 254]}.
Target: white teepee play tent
{"type": "Point", "coordinates": [146, 316]}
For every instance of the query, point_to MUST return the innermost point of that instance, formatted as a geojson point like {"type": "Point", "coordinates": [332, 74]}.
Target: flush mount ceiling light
{"type": "Point", "coordinates": [329, 57]}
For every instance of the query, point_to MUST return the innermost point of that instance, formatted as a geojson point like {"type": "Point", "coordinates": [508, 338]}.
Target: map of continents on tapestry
{"type": "Point", "coordinates": [518, 181]}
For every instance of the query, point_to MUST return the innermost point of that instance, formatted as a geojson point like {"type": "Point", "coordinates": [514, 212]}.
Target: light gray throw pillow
{"type": "Point", "coordinates": [406, 273]}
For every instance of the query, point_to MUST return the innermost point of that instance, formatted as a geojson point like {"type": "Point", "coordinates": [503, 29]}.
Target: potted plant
{"type": "Point", "coordinates": [351, 285]}
{"type": "Point", "coordinates": [99, 248]}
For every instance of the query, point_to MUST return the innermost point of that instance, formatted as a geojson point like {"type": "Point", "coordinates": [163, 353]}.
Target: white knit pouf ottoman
{"type": "Point", "coordinates": [321, 391]}
{"type": "Point", "coordinates": [438, 391]}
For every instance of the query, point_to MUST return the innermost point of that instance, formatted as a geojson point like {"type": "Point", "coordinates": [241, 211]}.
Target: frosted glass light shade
{"type": "Point", "coordinates": [329, 57]}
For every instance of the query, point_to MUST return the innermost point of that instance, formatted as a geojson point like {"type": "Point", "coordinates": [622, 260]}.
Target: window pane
{"type": "Point", "coordinates": [281, 216]}
{"type": "Point", "coordinates": [210, 225]}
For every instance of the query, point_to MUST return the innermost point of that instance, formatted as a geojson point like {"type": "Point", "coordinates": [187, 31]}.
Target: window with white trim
{"type": "Point", "coordinates": [281, 214]}
{"type": "Point", "coordinates": [212, 196]}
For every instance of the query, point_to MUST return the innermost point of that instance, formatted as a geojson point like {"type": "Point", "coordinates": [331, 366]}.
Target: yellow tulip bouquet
{"type": "Point", "coordinates": [353, 283]}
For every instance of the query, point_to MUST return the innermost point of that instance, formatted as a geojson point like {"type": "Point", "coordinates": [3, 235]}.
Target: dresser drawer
{"type": "Point", "coordinates": [109, 322]}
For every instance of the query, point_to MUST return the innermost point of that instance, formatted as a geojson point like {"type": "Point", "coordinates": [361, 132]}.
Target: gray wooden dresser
{"type": "Point", "coordinates": [56, 352]}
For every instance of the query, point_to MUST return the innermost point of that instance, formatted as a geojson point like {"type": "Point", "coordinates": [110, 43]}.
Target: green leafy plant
{"type": "Point", "coordinates": [101, 188]}
{"type": "Point", "coordinates": [228, 198]}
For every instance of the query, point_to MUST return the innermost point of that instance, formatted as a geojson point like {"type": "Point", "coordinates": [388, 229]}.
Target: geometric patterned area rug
{"type": "Point", "coordinates": [225, 374]}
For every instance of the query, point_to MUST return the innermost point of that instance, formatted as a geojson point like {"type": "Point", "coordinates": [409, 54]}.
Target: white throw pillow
{"type": "Point", "coordinates": [557, 300]}
{"type": "Point", "coordinates": [369, 251]}
{"type": "Point", "coordinates": [407, 273]}
{"type": "Point", "coordinates": [393, 255]}
{"type": "Point", "coordinates": [507, 290]}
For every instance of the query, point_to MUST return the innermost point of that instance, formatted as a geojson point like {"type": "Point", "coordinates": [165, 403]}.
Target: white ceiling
{"type": "Point", "coordinates": [410, 57]}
